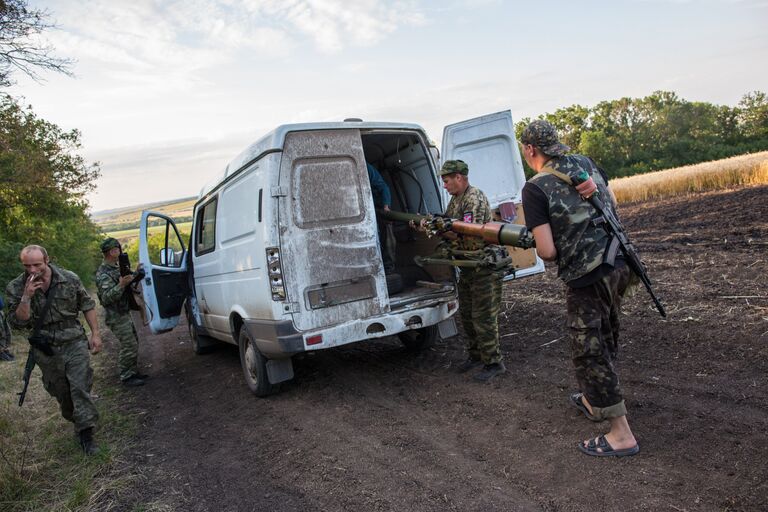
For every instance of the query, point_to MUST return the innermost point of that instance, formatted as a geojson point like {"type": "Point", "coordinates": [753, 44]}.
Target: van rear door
{"type": "Point", "coordinates": [488, 145]}
{"type": "Point", "coordinates": [328, 240]}
{"type": "Point", "coordinates": [163, 255]}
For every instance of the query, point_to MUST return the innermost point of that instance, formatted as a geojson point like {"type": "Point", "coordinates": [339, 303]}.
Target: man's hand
{"type": "Point", "coordinates": [95, 343]}
{"type": "Point", "coordinates": [586, 188]}
{"type": "Point", "coordinates": [386, 207]}
{"type": "Point", "coordinates": [34, 283]}
{"type": "Point", "coordinates": [125, 280]}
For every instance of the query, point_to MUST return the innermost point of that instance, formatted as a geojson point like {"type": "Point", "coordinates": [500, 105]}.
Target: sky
{"type": "Point", "coordinates": [167, 92]}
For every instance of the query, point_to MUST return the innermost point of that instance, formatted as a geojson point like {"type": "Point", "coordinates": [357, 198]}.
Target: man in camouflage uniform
{"type": "Point", "coordinates": [479, 288]}
{"type": "Point", "coordinates": [596, 276]}
{"type": "Point", "coordinates": [67, 373]}
{"type": "Point", "coordinates": [113, 293]}
{"type": "Point", "coordinates": [5, 336]}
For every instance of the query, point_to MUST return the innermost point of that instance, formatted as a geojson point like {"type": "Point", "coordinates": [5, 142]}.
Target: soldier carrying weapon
{"type": "Point", "coordinates": [596, 262]}
{"type": "Point", "coordinates": [114, 288]}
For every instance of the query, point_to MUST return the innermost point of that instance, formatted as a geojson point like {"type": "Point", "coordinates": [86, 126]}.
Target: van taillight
{"type": "Point", "coordinates": [315, 340]}
{"type": "Point", "coordinates": [275, 274]}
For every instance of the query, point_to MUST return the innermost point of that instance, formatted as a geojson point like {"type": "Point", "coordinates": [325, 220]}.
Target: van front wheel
{"type": "Point", "coordinates": [254, 365]}
{"type": "Point", "coordinates": [419, 339]}
{"type": "Point", "coordinates": [200, 344]}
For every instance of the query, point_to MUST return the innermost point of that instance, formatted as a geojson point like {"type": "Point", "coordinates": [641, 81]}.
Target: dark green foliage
{"type": "Point", "coordinates": [636, 135]}
{"type": "Point", "coordinates": [43, 182]}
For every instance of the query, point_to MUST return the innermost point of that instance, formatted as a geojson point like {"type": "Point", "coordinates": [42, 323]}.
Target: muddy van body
{"type": "Point", "coordinates": [284, 254]}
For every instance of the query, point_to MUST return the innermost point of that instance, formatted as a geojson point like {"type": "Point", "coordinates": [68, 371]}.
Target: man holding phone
{"type": "Point", "coordinates": [48, 299]}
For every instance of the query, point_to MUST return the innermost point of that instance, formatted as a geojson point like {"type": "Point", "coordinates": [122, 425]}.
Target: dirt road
{"type": "Point", "coordinates": [374, 427]}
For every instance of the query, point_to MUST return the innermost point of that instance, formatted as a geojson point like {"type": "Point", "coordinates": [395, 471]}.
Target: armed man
{"type": "Point", "coordinates": [48, 299]}
{"type": "Point", "coordinates": [5, 336]}
{"type": "Point", "coordinates": [568, 230]}
{"type": "Point", "coordinates": [479, 287]}
{"type": "Point", "coordinates": [114, 294]}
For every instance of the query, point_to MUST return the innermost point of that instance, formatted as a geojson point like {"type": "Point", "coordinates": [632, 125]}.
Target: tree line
{"type": "Point", "coordinates": [660, 131]}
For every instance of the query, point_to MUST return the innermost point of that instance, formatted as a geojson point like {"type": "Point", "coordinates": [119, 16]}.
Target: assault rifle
{"type": "Point", "coordinates": [612, 225]}
{"type": "Point", "coordinates": [27, 375]}
{"type": "Point", "coordinates": [124, 264]}
{"type": "Point", "coordinates": [497, 233]}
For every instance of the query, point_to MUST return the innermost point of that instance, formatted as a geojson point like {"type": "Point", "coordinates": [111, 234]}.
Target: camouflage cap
{"type": "Point", "coordinates": [543, 135]}
{"type": "Point", "coordinates": [109, 243]}
{"type": "Point", "coordinates": [454, 167]}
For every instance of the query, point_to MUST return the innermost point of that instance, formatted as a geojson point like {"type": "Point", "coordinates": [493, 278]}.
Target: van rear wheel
{"type": "Point", "coordinates": [419, 339]}
{"type": "Point", "coordinates": [254, 366]}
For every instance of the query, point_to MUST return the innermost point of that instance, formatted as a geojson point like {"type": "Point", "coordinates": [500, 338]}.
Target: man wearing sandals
{"type": "Point", "coordinates": [566, 231]}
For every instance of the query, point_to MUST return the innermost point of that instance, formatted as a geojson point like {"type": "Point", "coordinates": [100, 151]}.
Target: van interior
{"type": "Point", "coordinates": [403, 161]}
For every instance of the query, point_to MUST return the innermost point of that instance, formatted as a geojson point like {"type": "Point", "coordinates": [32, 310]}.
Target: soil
{"type": "Point", "coordinates": [373, 427]}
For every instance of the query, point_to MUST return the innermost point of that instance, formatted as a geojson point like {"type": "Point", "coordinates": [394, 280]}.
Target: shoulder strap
{"type": "Point", "coordinates": [46, 308]}
{"type": "Point", "coordinates": [564, 177]}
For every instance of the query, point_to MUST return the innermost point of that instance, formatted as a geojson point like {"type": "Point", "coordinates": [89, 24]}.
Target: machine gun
{"type": "Point", "coordinates": [497, 233]}
{"type": "Point", "coordinates": [124, 264]}
{"type": "Point", "coordinates": [614, 228]}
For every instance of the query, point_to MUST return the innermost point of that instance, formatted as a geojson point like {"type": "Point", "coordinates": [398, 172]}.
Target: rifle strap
{"type": "Point", "coordinates": [549, 170]}
{"type": "Point", "coordinates": [46, 307]}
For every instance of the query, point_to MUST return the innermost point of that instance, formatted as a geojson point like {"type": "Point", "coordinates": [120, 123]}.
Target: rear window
{"type": "Point", "coordinates": [326, 190]}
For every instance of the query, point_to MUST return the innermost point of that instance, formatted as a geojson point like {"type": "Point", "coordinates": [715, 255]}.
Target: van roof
{"type": "Point", "coordinates": [273, 141]}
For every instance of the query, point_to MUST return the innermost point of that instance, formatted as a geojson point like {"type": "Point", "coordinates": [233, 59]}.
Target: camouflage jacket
{"type": "Point", "coordinates": [61, 324]}
{"type": "Point", "coordinates": [471, 206]}
{"type": "Point", "coordinates": [115, 300]}
{"type": "Point", "coordinates": [580, 244]}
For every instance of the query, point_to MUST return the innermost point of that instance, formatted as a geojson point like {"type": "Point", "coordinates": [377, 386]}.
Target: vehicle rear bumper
{"type": "Point", "coordinates": [279, 339]}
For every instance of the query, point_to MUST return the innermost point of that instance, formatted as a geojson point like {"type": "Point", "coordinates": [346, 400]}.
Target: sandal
{"type": "Point", "coordinates": [575, 400]}
{"type": "Point", "coordinates": [599, 447]}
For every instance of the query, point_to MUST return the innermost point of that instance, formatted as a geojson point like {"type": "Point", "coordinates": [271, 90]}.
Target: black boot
{"type": "Point", "coordinates": [489, 371]}
{"type": "Point", "coordinates": [87, 443]}
{"type": "Point", "coordinates": [469, 364]}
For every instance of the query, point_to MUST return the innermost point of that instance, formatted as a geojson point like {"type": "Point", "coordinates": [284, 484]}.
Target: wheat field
{"type": "Point", "coordinates": [750, 169]}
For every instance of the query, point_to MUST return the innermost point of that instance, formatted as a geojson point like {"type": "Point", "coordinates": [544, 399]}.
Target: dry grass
{"type": "Point", "coordinates": [177, 209]}
{"type": "Point", "coordinates": [723, 174]}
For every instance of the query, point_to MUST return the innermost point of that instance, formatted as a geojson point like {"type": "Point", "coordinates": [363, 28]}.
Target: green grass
{"type": "Point", "coordinates": [41, 464]}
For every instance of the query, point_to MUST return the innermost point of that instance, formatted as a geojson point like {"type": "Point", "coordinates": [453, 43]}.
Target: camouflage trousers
{"type": "Point", "coordinates": [122, 327]}
{"type": "Point", "coordinates": [479, 305]}
{"type": "Point", "coordinates": [68, 377]}
{"type": "Point", "coordinates": [5, 332]}
{"type": "Point", "coordinates": [593, 321]}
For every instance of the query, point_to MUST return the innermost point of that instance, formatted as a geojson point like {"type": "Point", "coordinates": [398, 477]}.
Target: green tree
{"type": "Point", "coordinates": [43, 182]}
{"type": "Point", "coordinates": [635, 135]}
{"type": "Point", "coordinates": [753, 115]}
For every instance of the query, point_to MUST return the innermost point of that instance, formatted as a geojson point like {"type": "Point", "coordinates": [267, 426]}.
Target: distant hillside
{"type": "Point", "coordinates": [126, 218]}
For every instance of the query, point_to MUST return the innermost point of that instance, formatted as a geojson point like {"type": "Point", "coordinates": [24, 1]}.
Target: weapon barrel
{"type": "Point", "coordinates": [499, 233]}
{"type": "Point", "coordinates": [402, 216]}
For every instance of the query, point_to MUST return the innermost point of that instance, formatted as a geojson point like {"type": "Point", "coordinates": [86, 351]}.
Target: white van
{"type": "Point", "coordinates": [283, 255]}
